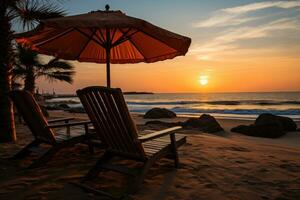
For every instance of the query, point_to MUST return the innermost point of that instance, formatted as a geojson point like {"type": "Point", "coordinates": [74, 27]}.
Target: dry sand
{"type": "Point", "coordinates": [224, 166]}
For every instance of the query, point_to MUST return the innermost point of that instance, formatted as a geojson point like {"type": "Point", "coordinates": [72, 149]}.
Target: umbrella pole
{"type": "Point", "coordinates": [108, 67]}
{"type": "Point", "coordinates": [108, 46]}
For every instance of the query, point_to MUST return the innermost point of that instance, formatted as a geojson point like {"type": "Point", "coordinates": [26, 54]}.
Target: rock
{"type": "Point", "coordinates": [204, 123]}
{"type": "Point", "coordinates": [267, 125]}
{"type": "Point", "coordinates": [156, 113]}
{"type": "Point", "coordinates": [76, 110]}
{"type": "Point", "coordinates": [286, 123]}
{"type": "Point", "coordinates": [63, 106]}
{"type": "Point", "coordinates": [165, 124]}
{"type": "Point", "coordinates": [267, 130]}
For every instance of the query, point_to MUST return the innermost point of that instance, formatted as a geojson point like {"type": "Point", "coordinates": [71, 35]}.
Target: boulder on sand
{"type": "Point", "coordinates": [286, 123]}
{"type": "Point", "coordinates": [205, 122]}
{"type": "Point", "coordinates": [156, 113]}
{"type": "Point", "coordinates": [267, 125]}
{"type": "Point", "coordinates": [267, 130]}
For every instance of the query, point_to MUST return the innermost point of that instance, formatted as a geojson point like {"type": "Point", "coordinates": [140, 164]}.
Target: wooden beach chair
{"type": "Point", "coordinates": [114, 126]}
{"type": "Point", "coordinates": [42, 130]}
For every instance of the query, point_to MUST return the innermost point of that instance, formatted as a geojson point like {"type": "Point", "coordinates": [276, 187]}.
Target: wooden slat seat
{"type": "Point", "coordinates": [43, 131]}
{"type": "Point", "coordinates": [154, 146]}
{"type": "Point", "coordinates": [114, 126]}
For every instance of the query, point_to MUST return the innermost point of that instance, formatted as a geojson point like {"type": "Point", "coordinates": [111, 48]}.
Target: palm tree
{"type": "Point", "coordinates": [28, 13]}
{"type": "Point", "coordinates": [29, 67]}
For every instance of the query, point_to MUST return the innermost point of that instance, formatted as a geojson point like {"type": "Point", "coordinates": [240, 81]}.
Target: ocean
{"type": "Point", "coordinates": [221, 105]}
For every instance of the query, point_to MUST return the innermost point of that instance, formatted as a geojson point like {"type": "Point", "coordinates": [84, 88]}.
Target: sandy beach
{"type": "Point", "coordinates": [213, 166]}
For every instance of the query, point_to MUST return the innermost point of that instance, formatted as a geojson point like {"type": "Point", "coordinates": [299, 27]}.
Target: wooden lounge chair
{"type": "Point", "coordinates": [43, 132]}
{"type": "Point", "coordinates": [113, 124]}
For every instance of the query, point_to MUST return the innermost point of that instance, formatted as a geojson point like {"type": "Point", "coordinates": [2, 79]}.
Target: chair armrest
{"type": "Point", "coordinates": [69, 124]}
{"type": "Point", "coordinates": [61, 120]}
{"type": "Point", "coordinates": [158, 134]}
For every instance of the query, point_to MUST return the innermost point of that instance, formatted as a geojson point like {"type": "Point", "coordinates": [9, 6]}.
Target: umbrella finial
{"type": "Point", "coordinates": [107, 7]}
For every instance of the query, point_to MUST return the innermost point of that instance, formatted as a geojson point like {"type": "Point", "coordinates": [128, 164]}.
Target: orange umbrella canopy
{"type": "Point", "coordinates": [104, 37]}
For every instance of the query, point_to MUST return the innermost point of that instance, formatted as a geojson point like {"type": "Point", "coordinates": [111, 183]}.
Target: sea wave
{"type": "Point", "coordinates": [245, 102]}
{"type": "Point", "coordinates": [227, 111]}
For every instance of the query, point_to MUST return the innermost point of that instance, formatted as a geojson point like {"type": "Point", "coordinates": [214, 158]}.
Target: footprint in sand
{"type": "Point", "coordinates": [290, 167]}
{"type": "Point", "coordinates": [240, 149]}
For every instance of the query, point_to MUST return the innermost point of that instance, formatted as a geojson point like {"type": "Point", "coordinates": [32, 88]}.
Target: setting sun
{"type": "Point", "coordinates": [203, 80]}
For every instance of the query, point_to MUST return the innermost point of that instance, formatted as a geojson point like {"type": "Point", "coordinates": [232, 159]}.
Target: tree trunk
{"type": "Point", "coordinates": [29, 80]}
{"type": "Point", "coordinates": [7, 125]}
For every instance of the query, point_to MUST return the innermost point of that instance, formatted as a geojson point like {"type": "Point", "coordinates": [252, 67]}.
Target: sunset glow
{"type": "Point", "coordinates": [203, 80]}
{"type": "Point", "coordinates": [246, 46]}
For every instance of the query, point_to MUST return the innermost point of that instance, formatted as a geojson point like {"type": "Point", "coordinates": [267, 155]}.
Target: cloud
{"type": "Point", "coordinates": [262, 5]}
{"type": "Point", "coordinates": [223, 19]}
{"type": "Point", "coordinates": [228, 40]}
{"type": "Point", "coordinates": [258, 31]}
{"type": "Point", "coordinates": [235, 15]}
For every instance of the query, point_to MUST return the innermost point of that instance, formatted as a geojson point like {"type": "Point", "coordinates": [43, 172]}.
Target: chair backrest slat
{"type": "Point", "coordinates": [109, 114]}
{"type": "Point", "coordinates": [117, 122]}
{"type": "Point", "coordinates": [105, 116]}
{"type": "Point", "coordinates": [32, 115]}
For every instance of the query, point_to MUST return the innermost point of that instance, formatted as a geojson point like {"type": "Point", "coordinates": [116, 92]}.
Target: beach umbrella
{"type": "Point", "coordinates": [104, 37]}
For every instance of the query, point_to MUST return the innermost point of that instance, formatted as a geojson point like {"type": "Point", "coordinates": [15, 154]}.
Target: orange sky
{"type": "Point", "coordinates": [182, 75]}
{"type": "Point", "coordinates": [242, 47]}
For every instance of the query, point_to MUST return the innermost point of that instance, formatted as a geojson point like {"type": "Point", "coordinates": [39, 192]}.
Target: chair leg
{"type": "Point", "coordinates": [25, 151]}
{"type": "Point", "coordinates": [174, 150]}
{"type": "Point", "coordinates": [139, 179]}
{"type": "Point", "coordinates": [46, 157]}
{"type": "Point", "coordinates": [91, 147]}
{"type": "Point", "coordinates": [94, 171]}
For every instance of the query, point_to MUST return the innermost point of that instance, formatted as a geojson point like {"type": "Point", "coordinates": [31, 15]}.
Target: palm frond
{"type": "Point", "coordinates": [30, 12]}
{"type": "Point", "coordinates": [57, 64]}
{"type": "Point", "coordinates": [66, 76]}
{"type": "Point", "coordinates": [26, 56]}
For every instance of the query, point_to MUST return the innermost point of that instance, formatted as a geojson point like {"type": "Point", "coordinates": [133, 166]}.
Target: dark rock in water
{"type": "Point", "coordinates": [44, 111]}
{"type": "Point", "coordinates": [167, 124]}
{"type": "Point", "coordinates": [286, 123]}
{"type": "Point", "coordinates": [267, 130]}
{"type": "Point", "coordinates": [156, 113]}
{"type": "Point", "coordinates": [63, 106]}
{"type": "Point", "coordinates": [76, 110]}
{"type": "Point", "coordinates": [204, 123]}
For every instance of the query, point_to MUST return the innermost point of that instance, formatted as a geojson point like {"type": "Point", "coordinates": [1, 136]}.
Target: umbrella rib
{"type": "Point", "coordinates": [86, 35]}
{"type": "Point", "coordinates": [123, 38]}
{"type": "Point", "coordinates": [55, 37]}
{"type": "Point", "coordinates": [137, 48]}
{"type": "Point", "coordinates": [113, 35]}
{"type": "Point", "coordinates": [103, 38]}
{"type": "Point", "coordinates": [85, 45]}
{"type": "Point", "coordinates": [99, 38]}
